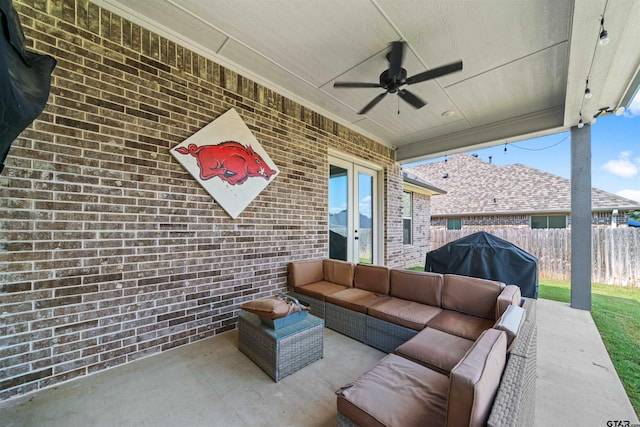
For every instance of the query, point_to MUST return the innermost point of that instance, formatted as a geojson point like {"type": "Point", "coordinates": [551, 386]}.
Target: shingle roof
{"type": "Point", "coordinates": [410, 178]}
{"type": "Point", "coordinates": [474, 186]}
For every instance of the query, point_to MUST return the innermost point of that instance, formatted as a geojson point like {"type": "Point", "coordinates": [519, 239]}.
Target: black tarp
{"type": "Point", "coordinates": [486, 256]}
{"type": "Point", "coordinates": [25, 80]}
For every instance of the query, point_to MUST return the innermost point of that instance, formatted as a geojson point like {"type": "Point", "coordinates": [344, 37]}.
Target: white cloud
{"type": "Point", "coordinates": [622, 166]}
{"type": "Point", "coordinates": [634, 107]}
{"type": "Point", "coordinates": [630, 194]}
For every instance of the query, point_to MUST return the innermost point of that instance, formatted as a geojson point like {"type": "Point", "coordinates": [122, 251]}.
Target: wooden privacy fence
{"type": "Point", "coordinates": [615, 252]}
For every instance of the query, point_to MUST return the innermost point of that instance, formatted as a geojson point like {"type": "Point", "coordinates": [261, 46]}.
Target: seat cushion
{"type": "Point", "coordinates": [405, 313]}
{"type": "Point", "coordinates": [460, 324]}
{"type": "Point", "coordinates": [319, 290]}
{"type": "Point", "coordinates": [471, 295]}
{"type": "Point", "coordinates": [396, 392]}
{"type": "Point", "coordinates": [355, 299]}
{"type": "Point", "coordinates": [418, 286]}
{"type": "Point", "coordinates": [435, 349]}
{"type": "Point", "coordinates": [475, 380]}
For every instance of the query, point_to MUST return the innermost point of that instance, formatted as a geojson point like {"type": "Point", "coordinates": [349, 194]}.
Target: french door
{"type": "Point", "coordinates": [353, 212]}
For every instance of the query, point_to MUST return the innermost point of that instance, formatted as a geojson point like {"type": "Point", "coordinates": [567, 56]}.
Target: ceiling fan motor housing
{"type": "Point", "coordinates": [392, 83]}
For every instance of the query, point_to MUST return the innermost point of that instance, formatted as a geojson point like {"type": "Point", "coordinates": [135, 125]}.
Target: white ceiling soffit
{"type": "Point", "coordinates": [525, 61]}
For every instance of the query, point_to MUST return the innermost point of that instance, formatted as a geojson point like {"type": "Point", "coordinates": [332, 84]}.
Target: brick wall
{"type": "Point", "coordinates": [415, 254]}
{"type": "Point", "coordinates": [111, 251]}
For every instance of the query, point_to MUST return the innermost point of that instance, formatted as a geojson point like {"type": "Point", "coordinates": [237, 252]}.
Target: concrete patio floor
{"type": "Point", "coordinates": [210, 383]}
{"type": "Point", "coordinates": [576, 382]}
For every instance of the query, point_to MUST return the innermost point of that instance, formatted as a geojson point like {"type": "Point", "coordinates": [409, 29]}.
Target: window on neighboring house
{"type": "Point", "coordinates": [407, 201]}
{"type": "Point", "coordinates": [548, 221]}
{"type": "Point", "coordinates": [454, 223]}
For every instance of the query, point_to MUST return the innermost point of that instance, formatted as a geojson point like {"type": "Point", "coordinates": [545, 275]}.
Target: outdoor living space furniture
{"type": "Point", "coordinates": [432, 321]}
{"type": "Point", "coordinates": [399, 392]}
{"type": "Point", "coordinates": [280, 352]}
{"type": "Point", "coordinates": [312, 280]}
{"type": "Point", "coordinates": [346, 310]}
{"type": "Point", "coordinates": [415, 298]}
{"type": "Point", "coordinates": [441, 351]}
{"type": "Point", "coordinates": [418, 392]}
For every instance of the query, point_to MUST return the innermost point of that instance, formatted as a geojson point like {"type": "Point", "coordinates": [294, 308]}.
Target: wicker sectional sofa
{"type": "Point", "coordinates": [442, 331]}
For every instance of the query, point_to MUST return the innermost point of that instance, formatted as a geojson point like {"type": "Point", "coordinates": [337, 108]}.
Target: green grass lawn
{"type": "Point", "coordinates": [616, 312]}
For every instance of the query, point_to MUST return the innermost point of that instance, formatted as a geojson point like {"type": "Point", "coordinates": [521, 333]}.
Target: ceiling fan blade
{"type": "Point", "coordinates": [411, 98]}
{"type": "Point", "coordinates": [372, 104]}
{"type": "Point", "coordinates": [435, 73]}
{"type": "Point", "coordinates": [395, 58]}
{"type": "Point", "coordinates": [355, 84]}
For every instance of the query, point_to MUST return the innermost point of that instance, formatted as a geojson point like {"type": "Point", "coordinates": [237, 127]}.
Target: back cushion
{"type": "Point", "coordinates": [471, 295]}
{"type": "Point", "coordinates": [372, 278]}
{"type": "Point", "coordinates": [305, 272]}
{"type": "Point", "coordinates": [475, 379]}
{"type": "Point", "coordinates": [339, 272]}
{"type": "Point", "coordinates": [418, 286]}
{"type": "Point", "coordinates": [510, 295]}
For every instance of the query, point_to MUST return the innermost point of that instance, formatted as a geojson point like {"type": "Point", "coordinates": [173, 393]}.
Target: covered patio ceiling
{"type": "Point", "coordinates": [526, 62]}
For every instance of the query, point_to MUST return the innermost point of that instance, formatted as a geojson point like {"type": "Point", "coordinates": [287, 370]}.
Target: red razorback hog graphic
{"type": "Point", "coordinates": [230, 160]}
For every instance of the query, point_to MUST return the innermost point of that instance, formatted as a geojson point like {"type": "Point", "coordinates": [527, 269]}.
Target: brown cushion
{"type": "Point", "coordinates": [475, 381]}
{"type": "Point", "coordinates": [460, 324]}
{"type": "Point", "coordinates": [405, 313]}
{"type": "Point", "coordinates": [510, 295]}
{"type": "Point", "coordinates": [272, 307]}
{"type": "Point", "coordinates": [339, 272]}
{"type": "Point", "coordinates": [419, 286]}
{"type": "Point", "coordinates": [435, 349]}
{"type": "Point", "coordinates": [305, 272]}
{"type": "Point", "coordinates": [396, 392]}
{"type": "Point", "coordinates": [319, 290]}
{"type": "Point", "coordinates": [372, 278]}
{"type": "Point", "coordinates": [355, 299]}
{"type": "Point", "coordinates": [471, 295]}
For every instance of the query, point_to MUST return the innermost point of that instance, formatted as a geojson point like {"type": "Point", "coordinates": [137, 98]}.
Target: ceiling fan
{"type": "Point", "coordinates": [392, 79]}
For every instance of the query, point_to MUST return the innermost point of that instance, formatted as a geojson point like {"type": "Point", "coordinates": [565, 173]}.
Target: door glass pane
{"type": "Point", "coordinates": [338, 212]}
{"type": "Point", "coordinates": [365, 218]}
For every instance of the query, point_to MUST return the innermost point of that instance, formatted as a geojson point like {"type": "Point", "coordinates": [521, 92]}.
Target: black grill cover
{"type": "Point", "coordinates": [488, 257]}
{"type": "Point", "coordinates": [25, 80]}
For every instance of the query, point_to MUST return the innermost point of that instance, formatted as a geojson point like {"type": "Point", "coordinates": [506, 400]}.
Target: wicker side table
{"type": "Point", "coordinates": [280, 352]}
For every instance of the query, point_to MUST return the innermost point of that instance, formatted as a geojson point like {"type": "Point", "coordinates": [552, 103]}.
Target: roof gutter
{"type": "Point", "coordinates": [529, 212]}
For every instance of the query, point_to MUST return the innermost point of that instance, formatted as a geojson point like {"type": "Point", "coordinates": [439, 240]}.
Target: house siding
{"type": "Point", "coordinates": [489, 222]}
{"type": "Point", "coordinates": [111, 250]}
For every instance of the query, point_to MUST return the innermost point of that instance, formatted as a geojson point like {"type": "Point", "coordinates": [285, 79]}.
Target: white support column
{"type": "Point", "coordinates": [581, 217]}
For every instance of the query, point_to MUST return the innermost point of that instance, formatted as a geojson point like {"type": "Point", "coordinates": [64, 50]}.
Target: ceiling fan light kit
{"type": "Point", "coordinates": [392, 79]}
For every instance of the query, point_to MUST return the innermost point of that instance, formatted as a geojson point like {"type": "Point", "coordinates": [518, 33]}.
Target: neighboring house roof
{"type": "Point", "coordinates": [419, 185]}
{"type": "Point", "coordinates": [476, 187]}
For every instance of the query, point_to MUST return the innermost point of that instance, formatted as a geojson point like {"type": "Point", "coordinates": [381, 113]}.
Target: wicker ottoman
{"type": "Point", "coordinates": [280, 352]}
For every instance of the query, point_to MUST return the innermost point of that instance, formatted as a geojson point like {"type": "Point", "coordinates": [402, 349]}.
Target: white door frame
{"type": "Point", "coordinates": [355, 165]}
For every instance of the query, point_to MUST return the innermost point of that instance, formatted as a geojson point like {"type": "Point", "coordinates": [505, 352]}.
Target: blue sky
{"type": "Point", "coordinates": [615, 153]}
